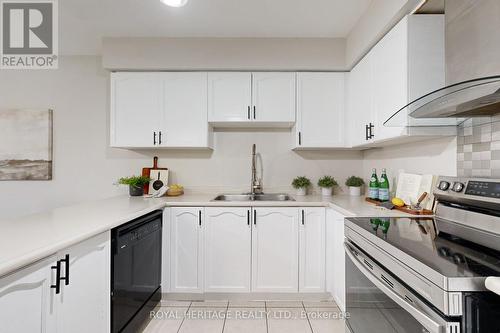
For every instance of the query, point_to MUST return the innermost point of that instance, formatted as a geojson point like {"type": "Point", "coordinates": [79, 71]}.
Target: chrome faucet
{"type": "Point", "coordinates": [256, 186]}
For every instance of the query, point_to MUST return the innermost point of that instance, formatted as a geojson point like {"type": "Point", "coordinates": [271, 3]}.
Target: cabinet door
{"type": "Point", "coordinates": [185, 108]}
{"type": "Point", "coordinates": [229, 96]}
{"type": "Point", "coordinates": [84, 303]}
{"type": "Point", "coordinates": [27, 301]}
{"type": "Point", "coordinates": [227, 233]}
{"type": "Point", "coordinates": [312, 250]}
{"type": "Point", "coordinates": [186, 244]}
{"type": "Point", "coordinates": [275, 250]}
{"type": "Point", "coordinates": [336, 256]}
{"type": "Point", "coordinates": [273, 97]}
{"type": "Point", "coordinates": [390, 80]}
{"type": "Point", "coordinates": [359, 102]}
{"type": "Point", "coordinates": [320, 110]}
{"type": "Point", "coordinates": [136, 109]}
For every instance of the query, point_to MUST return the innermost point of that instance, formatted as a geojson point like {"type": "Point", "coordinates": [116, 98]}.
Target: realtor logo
{"type": "Point", "coordinates": [28, 34]}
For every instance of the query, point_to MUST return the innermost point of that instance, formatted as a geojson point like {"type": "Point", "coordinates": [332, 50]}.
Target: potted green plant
{"type": "Point", "coordinates": [354, 184]}
{"type": "Point", "coordinates": [135, 184]}
{"type": "Point", "coordinates": [301, 184]}
{"type": "Point", "coordinates": [327, 183]}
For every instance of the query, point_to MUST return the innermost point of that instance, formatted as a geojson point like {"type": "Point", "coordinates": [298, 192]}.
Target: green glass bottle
{"type": "Point", "coordinates": [383, 187]}
{"type": "Point", "coordinates": [373, 186]}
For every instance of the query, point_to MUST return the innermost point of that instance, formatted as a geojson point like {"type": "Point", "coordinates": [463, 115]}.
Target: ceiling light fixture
{"type": "Point", "coordinates": [174, 3]}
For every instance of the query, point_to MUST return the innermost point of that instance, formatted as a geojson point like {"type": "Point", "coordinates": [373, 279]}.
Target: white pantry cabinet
{"type": "Point", "coordinates": [275, 247]}
{"type": "Point", "coordinates": [407, 63]}
{"type": "Point", "coordinates": [312, 249]}
{"type": "Point", "coordinates": [335, 256]}
{"type": "Point", "coordinates": [228, 243]}
{"type": "Point", "coordinates": [251, 99]}
{"type": "Point", "coordinates": [186, 249]}
{"type": "Point", "coordinates": [159, 110]}
{"type": "Point", "coordinates": [30, 302]}
{"type": "Point", "coordinates": [320, 111]}
{"type": "Point", "coordinates": [26, 299]}
{"type": "Point", "coordinates": [84, 302]}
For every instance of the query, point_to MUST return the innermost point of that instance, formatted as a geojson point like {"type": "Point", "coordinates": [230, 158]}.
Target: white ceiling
{"type": "Point", "coordinates": [82, 23]}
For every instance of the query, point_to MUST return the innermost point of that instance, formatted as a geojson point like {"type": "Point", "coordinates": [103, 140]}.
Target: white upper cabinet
{"type": "Point", "coordinates": [27, 301]}
{"type": "Point", "coordinates": [257, 99]}
{"type": "Point", "coordinates": [273, 97]}
{"type": "Point", "coordinates": [165, 110]}
{"type": "Point", "coordinates": [359, 101]}
{"type": "Point", "coordinates": [229, 96]}
{"type": "Point", "coordinates": [84, 302]}
{"type": "Point", "coordinates": [312, 249]}
{"type": "Point", "coordinates": [406, 64]}
{"type": "Point", "coordinates": [185, 110]}
{"type": "Point", "coordinates": [186, 249]}
{"type": "Point", "coordinates": [320, 110]}
{"type": "Point", "coordinates": [275, 250]}
{"type": "Point", "coordinates": [136, 109]}
{"type": "Point", "coordinates": [227, 238]}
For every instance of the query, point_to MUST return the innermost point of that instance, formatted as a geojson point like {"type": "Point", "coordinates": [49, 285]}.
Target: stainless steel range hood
{"type": "Point", "coordinates": [478, 100]}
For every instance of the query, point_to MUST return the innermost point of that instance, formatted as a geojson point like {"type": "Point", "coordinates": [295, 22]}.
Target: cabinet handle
{"type": "Point", "coordinates": [367, 137]}
{"type": "Point", "coordinates": [371, 131]}
{"type": "Point", "coordinates": [303, 217]}
{"type": "Point", "coordinates": [300, 138]}
{"type": "Point", "coordinates": [154, 138]}
{"type": "Point", "coordinates": [199, 218]}
{"type": "Point", "coordinates": [248, 112]}
{"type": "Point", "coordinates": [248, 217]}
{"type": "Point", "coordinates": [57, 286]}
{"type": "Point", "coordinates": [159, 137]}
{"type": "Point", "coordinates": [254, 112]}
{"type": "Point", "coordinates": [66, 269]}
{"type": "Point", "coordinates": [254, 217]}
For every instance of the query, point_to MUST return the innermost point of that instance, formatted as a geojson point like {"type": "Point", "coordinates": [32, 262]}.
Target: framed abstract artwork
{"type": "Point", "coordinates": [25, 145]}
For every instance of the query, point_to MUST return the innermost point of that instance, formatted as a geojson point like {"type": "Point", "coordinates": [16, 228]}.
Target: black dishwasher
{"type": "Point", "coordinates": [135, 272]}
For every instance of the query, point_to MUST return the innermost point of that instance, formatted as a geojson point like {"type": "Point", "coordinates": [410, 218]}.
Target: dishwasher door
{"type": "Point", "coordinates": [136, 270]}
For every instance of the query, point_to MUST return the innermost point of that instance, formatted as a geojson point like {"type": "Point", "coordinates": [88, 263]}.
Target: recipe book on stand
{"type": "Point", "coordinates": [411, 186]}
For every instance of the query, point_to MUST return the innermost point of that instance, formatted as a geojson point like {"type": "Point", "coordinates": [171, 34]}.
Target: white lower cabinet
{"type": "Point", "coordinates": [274, 250]}
{"type": "Point", "coordinates": [312, 249]}
{"type": "Point", "coordinates": [186, 249]}
{"type": "Point", "coordinates": [84, 302]}
{"type": "Point", "coordinates": [245, 249]}
{"type": "Point", "coordinates": [228, 240]}
{"type": "Point", "coordinates": [335, 256]}
{"type": "Point", "coordinates": [29, 301]}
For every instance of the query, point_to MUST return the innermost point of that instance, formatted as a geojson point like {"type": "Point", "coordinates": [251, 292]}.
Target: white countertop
{"type": "Point", "coordinates": [31, 238]}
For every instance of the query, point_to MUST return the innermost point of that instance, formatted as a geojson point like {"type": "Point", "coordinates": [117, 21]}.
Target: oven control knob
{"type": "Point", "coordinates": [443, 185]}
{"type": "Point", "coordinates": [458, 187]}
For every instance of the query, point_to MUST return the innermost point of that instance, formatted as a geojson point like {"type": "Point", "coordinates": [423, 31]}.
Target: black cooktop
{"type": "Point", "coordinates": [419, 237]}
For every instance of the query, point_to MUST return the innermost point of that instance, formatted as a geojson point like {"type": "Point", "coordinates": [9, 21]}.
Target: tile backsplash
{"type": "Point", "coordinates": [479, 149]}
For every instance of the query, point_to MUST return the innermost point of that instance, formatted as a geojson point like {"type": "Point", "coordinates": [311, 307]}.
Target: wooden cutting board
{"type": "Point", "coordinates": [147, 172]}
{"type": "Point", "coordinates": [405, 209]}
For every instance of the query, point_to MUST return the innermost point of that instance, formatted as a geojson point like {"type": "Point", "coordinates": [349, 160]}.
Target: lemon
{"type": "Point", "coordinates": [398, 202]}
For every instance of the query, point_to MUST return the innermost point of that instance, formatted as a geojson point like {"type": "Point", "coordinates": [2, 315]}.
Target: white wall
{"type": "Point", "coordinates": [85, 167]}
{"type": "Point", "coordinates": [438, 157]}
{"type": "Point", "coordinates": [224, 53]}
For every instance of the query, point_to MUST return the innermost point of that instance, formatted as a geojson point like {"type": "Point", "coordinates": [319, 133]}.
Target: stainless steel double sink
{"type": "Point", "coordinates": [254, 197]}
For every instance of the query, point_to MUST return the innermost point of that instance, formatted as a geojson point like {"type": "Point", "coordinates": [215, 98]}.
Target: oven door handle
{"type": "Point", "coordinates": [433, 325]}
{"type": "Point", "coordinates": [492, 283]}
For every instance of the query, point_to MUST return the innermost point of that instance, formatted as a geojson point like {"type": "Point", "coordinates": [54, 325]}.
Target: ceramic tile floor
{"type": "Point", "coordinates": [246, 317]}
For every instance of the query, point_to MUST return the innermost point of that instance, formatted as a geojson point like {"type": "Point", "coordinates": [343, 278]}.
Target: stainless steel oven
{"type": "Point", "coordinates": [377, 302]}
{"type": "Point", "coordinates": [418, 274]}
